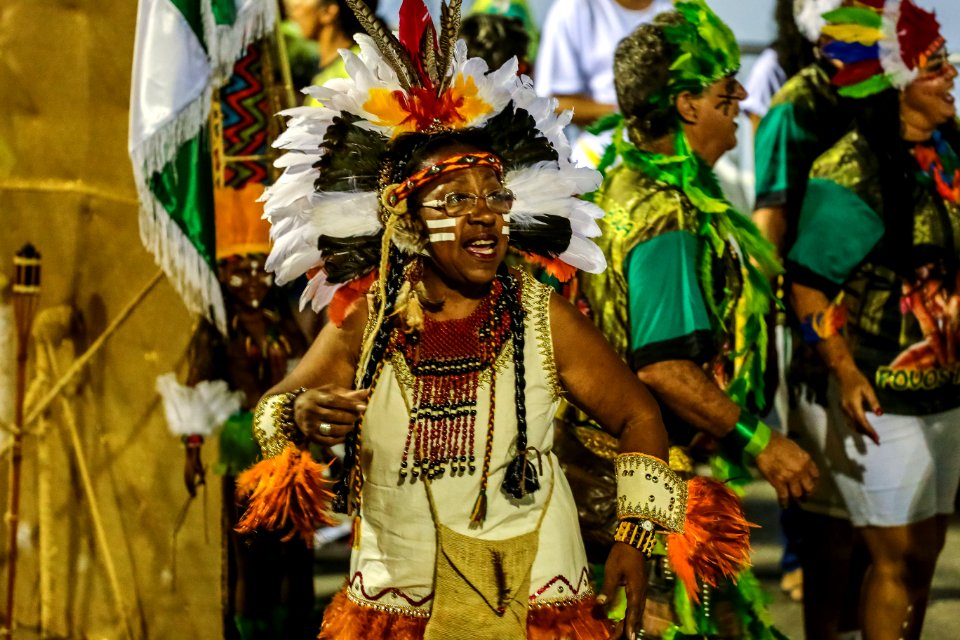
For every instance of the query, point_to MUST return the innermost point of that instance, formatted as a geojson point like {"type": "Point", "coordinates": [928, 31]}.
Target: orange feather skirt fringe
{"type": "Point", "coordinates": [715, 542]}
{"type": "Point", "coordinates": [346, 620]}
{"type": "Point", "coordinates": [285, 493]}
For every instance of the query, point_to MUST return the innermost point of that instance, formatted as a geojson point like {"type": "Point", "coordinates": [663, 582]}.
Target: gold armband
{"type": "Point", "coordinates": [639, 535]}
{"type": "Point", "coordinates": [273, 423]}
{"type": "Point", "coordinates": [648, 490]}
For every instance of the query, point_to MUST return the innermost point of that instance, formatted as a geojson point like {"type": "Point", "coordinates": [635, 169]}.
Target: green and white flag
{"type": "Point", "coordinates": [185, 49]}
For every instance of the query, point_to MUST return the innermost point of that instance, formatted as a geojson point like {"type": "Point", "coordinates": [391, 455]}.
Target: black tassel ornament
{"type": "Point", "coordinates": [521, 477]}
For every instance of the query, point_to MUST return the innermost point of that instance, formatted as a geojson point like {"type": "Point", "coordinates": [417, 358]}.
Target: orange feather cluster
{"type": "Point", "coordinates": [346, 620]}
{"type": "Point", "coordinates": [288, 491]}
{"type": "Point", "coordinates": [715, 543]}
{"type": "Point", "coordinates": [578, 621]}
{"type": "Point", "coordinates": [554, 266]}
{"type": "Point", "coordinates": [348, 295]}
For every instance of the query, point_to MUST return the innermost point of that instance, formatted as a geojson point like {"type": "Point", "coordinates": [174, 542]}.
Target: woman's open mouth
{"type": "Point", "coordinates": [482, 247]}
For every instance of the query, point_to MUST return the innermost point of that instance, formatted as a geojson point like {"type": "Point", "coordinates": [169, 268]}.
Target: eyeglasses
{"type": "Point", "coordinates": [460, 204]}
{"type": "Point", "coordinates": [937, 64]}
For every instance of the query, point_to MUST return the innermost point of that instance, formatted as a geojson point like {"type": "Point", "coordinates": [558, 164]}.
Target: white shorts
{"type": "Point", "coordinates": [808, 424]}
{"type": "Point", "coordinates": [911, 476]}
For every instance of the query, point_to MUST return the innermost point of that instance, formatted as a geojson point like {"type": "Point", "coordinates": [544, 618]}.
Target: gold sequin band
{"type": "Point", "coordinates": [639, 535]}
{"type": "Point", "coordinates": [274, 426]}
{"type": "Point", "coordinates": [648, 490]}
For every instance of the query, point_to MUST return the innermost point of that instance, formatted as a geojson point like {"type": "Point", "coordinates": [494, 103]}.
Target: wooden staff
{"type": "Point", "coordinates": [25, 296]}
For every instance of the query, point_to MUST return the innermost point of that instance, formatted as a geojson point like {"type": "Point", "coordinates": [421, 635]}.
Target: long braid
{"type": "Point", "coordinates": [378, 351]}
{"type": "Point", "coordinates": [521, 476]}
{"type": "Point", "coordinates": [518, 331]}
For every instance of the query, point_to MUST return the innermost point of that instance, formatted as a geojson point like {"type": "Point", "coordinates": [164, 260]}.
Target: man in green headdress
{"type": "Point", "coordinates": [687, 286]}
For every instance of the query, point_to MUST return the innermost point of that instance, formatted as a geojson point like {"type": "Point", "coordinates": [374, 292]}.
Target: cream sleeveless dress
{"type": "Point", "coordinates": [393, 568]}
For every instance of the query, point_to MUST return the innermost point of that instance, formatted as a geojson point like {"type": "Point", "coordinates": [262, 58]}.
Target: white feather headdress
{"type": "Point", "coordinates": [325, 210]}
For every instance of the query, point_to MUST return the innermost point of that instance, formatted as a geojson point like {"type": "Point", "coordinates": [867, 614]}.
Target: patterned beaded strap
{"type": "Point", "coordinates": [273, 423]}
{"type": "Point", "coordinates": [648, 490]}
{"type": "Point", "coordinates": [639, 535]}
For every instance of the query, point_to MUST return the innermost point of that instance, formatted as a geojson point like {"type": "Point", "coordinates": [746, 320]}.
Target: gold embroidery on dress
{"type": "Point", "coordinates": [536, 303]}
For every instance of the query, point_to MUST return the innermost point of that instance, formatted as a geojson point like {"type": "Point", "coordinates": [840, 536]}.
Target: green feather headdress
{"type": "Point", "coordinates": [708, 50]}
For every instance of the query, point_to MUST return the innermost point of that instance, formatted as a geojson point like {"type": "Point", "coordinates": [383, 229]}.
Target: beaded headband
{"type": "Point", "coordinates": [395, 194]}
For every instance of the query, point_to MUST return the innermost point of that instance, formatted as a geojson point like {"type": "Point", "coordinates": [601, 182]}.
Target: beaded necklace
{"type": "Point", "coordinates": [446, 360]}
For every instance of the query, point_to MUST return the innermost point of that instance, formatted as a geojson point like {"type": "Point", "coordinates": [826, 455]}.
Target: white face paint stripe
{"type": "Point", "coordinates": [441, 224]}
{"type": "Point", "coordinates": [506, 218]}
{"type": "Point", "coordinates": [506, 230]}
{"type": "Point", "coordinates": [442, 237]}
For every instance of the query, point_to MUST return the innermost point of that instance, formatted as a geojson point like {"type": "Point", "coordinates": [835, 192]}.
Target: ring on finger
{"type": "Point", "coordinates": [325, 428]}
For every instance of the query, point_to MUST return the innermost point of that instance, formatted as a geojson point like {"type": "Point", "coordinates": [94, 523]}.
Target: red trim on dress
{"type": "Point", "coordinates": [358, 576]}
{"type": "Point", "coordinates": [584, 578]}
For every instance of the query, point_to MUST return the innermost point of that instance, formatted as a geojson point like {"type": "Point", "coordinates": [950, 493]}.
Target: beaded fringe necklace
{"type": "Point", "coordinates": [447, 359]}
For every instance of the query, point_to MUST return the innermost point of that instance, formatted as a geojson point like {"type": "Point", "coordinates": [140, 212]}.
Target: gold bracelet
{"type": "Point", "coordinates": [274, 426]}
{"type": "Point", "coordinates": [640, 536]}
{"type": "Point", "coordinates": [648, 490]}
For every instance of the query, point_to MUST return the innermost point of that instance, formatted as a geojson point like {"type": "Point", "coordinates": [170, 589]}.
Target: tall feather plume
{"type": "Point", "coordinates": [428, 53]}
{"type": "Point", "coordinates": [388, 44]}
{"type": "Point", "coordinates": [449, 30]}
{"type": "Point", "coordinates": [418, 39]}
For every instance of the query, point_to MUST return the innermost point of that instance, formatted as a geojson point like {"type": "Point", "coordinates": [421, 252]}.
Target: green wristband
{"type": "Point", "coordinates": [749, 436]}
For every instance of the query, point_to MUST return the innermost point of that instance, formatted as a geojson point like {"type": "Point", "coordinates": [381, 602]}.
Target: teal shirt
{"type": "Point", "coordinates": [667, 314]}
{"type": "Point", "coordinates": [806, 118]}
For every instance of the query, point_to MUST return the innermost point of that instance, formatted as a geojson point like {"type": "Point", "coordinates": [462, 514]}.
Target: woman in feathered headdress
{"type": "Point", "coordinates": [878, 236]}
{"type": "Point", "coordinates": [442, 368]}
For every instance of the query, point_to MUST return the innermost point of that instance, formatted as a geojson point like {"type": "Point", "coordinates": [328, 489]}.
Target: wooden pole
{"type": "Point", "coordinates": [25, 295]}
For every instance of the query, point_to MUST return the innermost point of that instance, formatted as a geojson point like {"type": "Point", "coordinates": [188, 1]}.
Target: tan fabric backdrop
{"type": "Point", "coordinates": [66, 186]}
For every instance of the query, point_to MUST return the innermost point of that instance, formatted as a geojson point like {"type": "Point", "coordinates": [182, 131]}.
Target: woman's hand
{"type": "Point", "coordinates": [328, 413]}
{"type": "Point", "coordinates": [855, 390]}
{"type": "Point", "coordinates": [625, 567]}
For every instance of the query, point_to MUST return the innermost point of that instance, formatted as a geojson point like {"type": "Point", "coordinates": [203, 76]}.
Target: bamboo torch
{"type": "Point", "coordinates": [25, 296]}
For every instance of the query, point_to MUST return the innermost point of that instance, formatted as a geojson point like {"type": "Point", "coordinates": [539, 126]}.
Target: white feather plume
{"type": "Point", "coordinates": [584, 255]}
{"type": "Point", "coordinates": [808, 14]}
{"type": "Point", "coordinates": [543, 188]}
{"type": "Point", "coordinates": [318, 293]}
{"type": "Point", "coordinates": [201, 409]}
{"type": "Point", "coordinates": [891, 55]}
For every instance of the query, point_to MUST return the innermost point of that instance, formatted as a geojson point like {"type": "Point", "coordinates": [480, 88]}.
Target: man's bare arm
{"type": "Point", "coordinates": [585, 108]}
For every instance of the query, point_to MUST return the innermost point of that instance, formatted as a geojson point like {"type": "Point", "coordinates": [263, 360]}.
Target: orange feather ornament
{"type": "Point", "coordinates": [715, 542]}
{"type": "Point", "coordinates": [288, 491]}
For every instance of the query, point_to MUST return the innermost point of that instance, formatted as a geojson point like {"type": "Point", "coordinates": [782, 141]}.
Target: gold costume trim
{"type": "Point", "coordinates": [536, 302]}
{"type": "Point", "coordinates": [273, 423]}
{"type": "Point", "coordinates": [647, 489]}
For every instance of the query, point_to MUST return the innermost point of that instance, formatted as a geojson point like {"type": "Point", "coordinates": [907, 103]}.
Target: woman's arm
{"type": "Point", "coordinates": [327, 411]}
{"type": "Point", "coordinates": [855, 389]}
{"type": "Point", "coordinates": [600, 383]}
